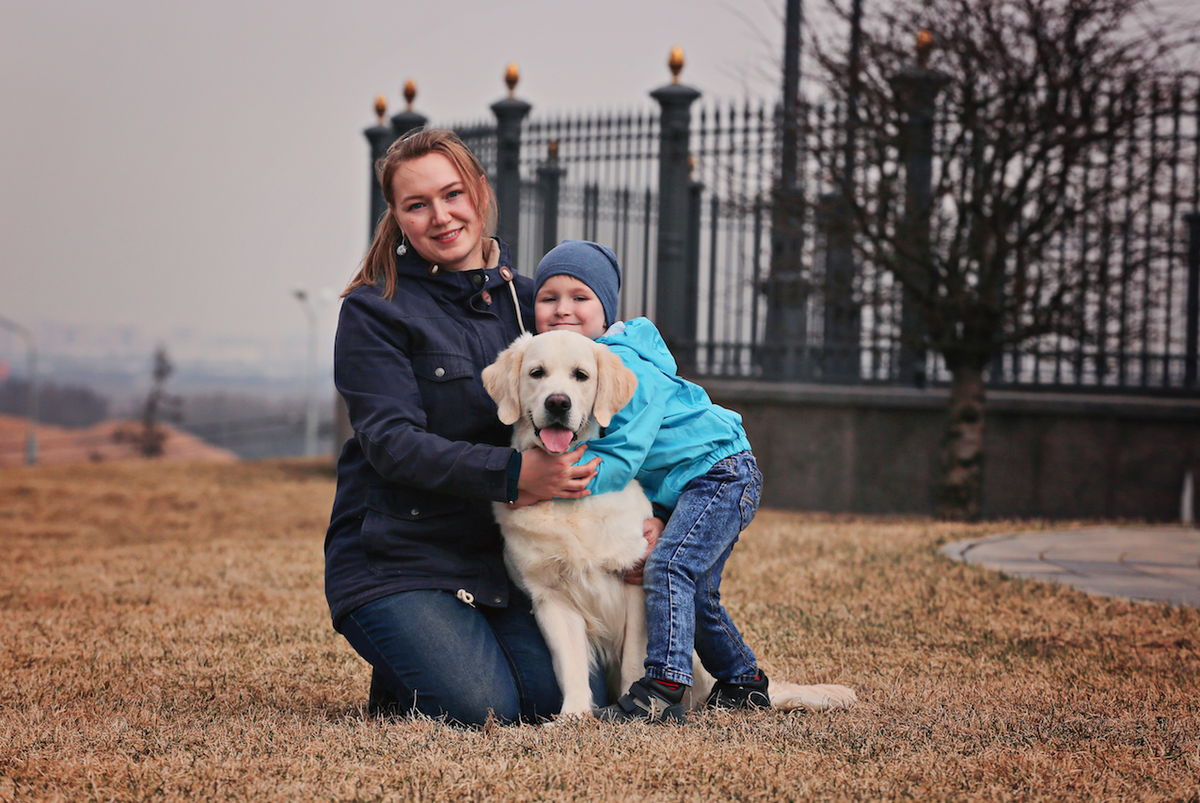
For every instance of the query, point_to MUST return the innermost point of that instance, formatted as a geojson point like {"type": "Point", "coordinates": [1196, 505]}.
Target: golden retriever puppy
{"type": "Point", "coordinates": [558, 389]}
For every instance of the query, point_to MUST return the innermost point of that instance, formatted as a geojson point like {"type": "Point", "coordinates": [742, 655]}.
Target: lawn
{"type": "Point", "coordinates": [165, 637]}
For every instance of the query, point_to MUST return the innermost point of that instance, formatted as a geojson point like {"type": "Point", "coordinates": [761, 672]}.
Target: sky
{"type": "Point", "coordinates": [176, 167]}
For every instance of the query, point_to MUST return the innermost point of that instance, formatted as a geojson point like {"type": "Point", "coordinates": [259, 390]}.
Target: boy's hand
{"type": "Point", "coordinates": [651, 529]}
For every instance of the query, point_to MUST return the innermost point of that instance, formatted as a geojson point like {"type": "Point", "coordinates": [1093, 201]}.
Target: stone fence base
{"type": "Point", "coordinates": [1057, 456]}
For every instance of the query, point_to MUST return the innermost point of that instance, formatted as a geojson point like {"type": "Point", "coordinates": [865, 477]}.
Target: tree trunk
{"type": "Point", "coordinates": [960, 486]}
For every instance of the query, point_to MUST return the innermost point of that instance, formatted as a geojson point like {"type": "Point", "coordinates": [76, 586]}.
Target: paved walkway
{"type": "Point", "coordinates": [1157, 564]}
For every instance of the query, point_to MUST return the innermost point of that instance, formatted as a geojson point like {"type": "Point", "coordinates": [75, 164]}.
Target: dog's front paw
{"type": "Point", "coordinates": [564, 718]}
{"type": "Point", "coordinates": [579, 709]}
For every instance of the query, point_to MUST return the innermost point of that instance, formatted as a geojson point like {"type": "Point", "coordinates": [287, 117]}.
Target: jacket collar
{"type": "Point", "coordinates": [412, 266]}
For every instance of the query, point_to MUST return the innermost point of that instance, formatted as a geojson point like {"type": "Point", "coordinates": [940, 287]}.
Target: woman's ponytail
{"type": "Point", "coordinates": [380, 261]}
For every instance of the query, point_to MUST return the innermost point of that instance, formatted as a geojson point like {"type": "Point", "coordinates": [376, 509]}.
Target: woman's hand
{"type": "Point", "coordinates": [548, 476]}
{"type": "Point", "coordinates": [651, 529]}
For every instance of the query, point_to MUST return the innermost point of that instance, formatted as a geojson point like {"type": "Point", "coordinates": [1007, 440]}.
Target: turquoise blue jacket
{"type": "Point", "coordinates": [670, 433]}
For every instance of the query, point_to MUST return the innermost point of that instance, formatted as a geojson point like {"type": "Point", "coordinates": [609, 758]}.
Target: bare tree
{"type": "Point", "coordinates": [151, 437]}
{"type": "Point", "coordinates": [1003, 240]}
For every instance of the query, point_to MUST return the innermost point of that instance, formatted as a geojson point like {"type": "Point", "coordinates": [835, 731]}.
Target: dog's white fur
{"type": "Point", "coordinates": [569, 554]}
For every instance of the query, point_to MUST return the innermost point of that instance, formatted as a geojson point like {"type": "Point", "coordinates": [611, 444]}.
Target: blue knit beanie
{"type": "Point", "coordinates": [591, 263]}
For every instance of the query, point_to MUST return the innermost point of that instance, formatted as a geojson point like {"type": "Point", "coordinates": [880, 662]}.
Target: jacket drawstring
{"type": "Point", "coordinates": [506, 274]}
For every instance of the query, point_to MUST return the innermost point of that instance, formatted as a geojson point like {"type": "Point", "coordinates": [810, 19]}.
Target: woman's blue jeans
{"type": "Point", "coordinates": [682, 577]}
{"type": "Point", "coordinates": [443, 658]}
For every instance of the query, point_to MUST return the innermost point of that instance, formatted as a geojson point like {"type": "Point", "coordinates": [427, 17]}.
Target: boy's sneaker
{"type": "Point", "coordinates": [647, 701]}
{"type": "Point", "coordinates": [752, 694]}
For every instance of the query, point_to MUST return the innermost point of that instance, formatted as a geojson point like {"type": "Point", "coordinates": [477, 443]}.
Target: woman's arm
{"type": "Point", "coordinates": [375, 371]}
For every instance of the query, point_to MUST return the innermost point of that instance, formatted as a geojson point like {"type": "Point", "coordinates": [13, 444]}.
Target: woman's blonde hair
{"type": "Point", "coordinates": [380, 261]}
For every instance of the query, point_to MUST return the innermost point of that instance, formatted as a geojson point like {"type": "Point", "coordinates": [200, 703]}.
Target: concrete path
{"type": "Point", "coordinates": [1157, 564]}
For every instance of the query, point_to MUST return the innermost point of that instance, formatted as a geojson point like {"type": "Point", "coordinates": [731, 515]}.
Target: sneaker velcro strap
{"type": "Point", "coordinates": [646, 700]}
{"type": "Point", "coordinates": [631, 704]}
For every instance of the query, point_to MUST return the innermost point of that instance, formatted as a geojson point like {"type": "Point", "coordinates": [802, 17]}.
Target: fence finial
{"type": "Point", "coordinates": [410, 93]}
{"type": "Point", "coordinates": [924, 46]}
{"type": "Point", "coordinates": [675, 62]}
{"type": "Point", "coordinates": [381, 108]}
{"type": "Point", "coordinates": [511, 76]}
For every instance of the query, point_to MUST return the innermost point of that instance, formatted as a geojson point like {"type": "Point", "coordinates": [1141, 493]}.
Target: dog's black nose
{"type": "Point", "coordinates": [557, 404]}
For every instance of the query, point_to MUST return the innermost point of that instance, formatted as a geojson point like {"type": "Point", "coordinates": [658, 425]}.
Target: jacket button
{"type": "Point", "coordinates": [478, 279]}
{"type": "Point", "coordinates": [497, 600]}
{"type": "Point", "coordinates": [416, 511]}
{"type": "Point", "coordinates": [440, 372]}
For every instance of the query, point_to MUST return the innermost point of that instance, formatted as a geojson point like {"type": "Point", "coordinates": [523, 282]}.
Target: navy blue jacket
{"type": "Point", "coordinates": [428, 456]}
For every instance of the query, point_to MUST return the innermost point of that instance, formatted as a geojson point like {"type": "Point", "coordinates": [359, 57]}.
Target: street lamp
{"type": "Point", "coordinates": [31, 443]}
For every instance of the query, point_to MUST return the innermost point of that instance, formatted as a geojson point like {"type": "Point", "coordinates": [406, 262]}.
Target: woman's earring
{"type": "Point", "coordinates": [402, 249]}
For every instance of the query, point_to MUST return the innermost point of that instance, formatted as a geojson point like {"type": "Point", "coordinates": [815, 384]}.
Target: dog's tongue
{"type": "Point", "coordinates": [556, 439]}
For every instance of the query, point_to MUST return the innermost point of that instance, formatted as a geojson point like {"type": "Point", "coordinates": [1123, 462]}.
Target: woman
{"type": "Point", "coordinates": [413, 568]}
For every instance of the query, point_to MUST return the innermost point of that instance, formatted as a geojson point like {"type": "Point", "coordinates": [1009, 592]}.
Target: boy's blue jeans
{"type": "Point", "coordinates": [682, 577]}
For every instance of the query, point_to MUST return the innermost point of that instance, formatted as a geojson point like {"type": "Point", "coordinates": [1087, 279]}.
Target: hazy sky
{"type": "Point", "coordinates": [188, 164]}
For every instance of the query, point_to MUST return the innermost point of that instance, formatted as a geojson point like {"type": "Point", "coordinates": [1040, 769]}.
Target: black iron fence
{"type": "Point", "coordinates": [1140, 305]}
{"type": "Point", "coordinates": [688, 197]}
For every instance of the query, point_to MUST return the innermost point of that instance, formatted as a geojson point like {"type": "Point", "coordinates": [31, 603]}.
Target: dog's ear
{"type": "Point", "coordinates": [616, 385]}
{"type": "Point", "coordinates": [502, 379]}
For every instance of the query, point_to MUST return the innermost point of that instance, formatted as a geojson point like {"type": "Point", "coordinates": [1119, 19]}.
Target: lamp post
{"type": "Point", "coordinates": [310, 379]}
{"type": "Point", "coordinates": [31, 442]}
{"type": "Point", "coordinates": [786, 341]}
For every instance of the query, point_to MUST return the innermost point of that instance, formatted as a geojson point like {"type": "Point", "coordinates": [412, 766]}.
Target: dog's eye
{"type": "Point", "coordinates": [580, 376]}
{"type": "Point", "coordinates": [537, 373]}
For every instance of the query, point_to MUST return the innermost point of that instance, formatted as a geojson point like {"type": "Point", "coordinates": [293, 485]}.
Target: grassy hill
{"type": "Point", "coordinates": [108, 440]}
{"type": "Point", "coordinates": [164, 637]}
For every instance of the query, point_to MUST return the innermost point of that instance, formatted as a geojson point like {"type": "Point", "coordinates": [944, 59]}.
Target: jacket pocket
{"type": "Point", "coordinates": [438, 368]}
{"type": "Point", "coordinates": [407, 531]}
{"type": "Point", "coordinates": [452, 395]}
{"type": "Point", "coordinates": [752, 495]}
{"type": "Point", "coordinates": [410, 505]}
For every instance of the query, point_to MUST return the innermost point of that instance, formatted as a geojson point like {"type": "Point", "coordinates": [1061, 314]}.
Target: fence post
{"type": "Point", "coordinates": [509, 114]}
{"type": "Point", "coordinates": [408, 120]}
{"type": "Point", "coordinates": [916, 91]}
{"type": "Point", "coordinates": [379, 137]}
{"type": "Point", "coordinates": [691, 312]}
{"type": "Point", "coordinates": [675, 301]}
{"type": "Point", "coordinates": [842, 317]}
{"type": "Point", "coordinates": [1193, 301]}
{"type": "Point", "coordinates": [550, 175]}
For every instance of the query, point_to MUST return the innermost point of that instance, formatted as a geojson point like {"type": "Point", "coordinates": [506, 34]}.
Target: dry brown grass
{"type": "Point", "coordinates": [165, 637]}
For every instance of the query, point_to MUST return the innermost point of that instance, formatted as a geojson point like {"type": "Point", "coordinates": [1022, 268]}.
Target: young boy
{"type": "Point", "coordinates": [694, 462]}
